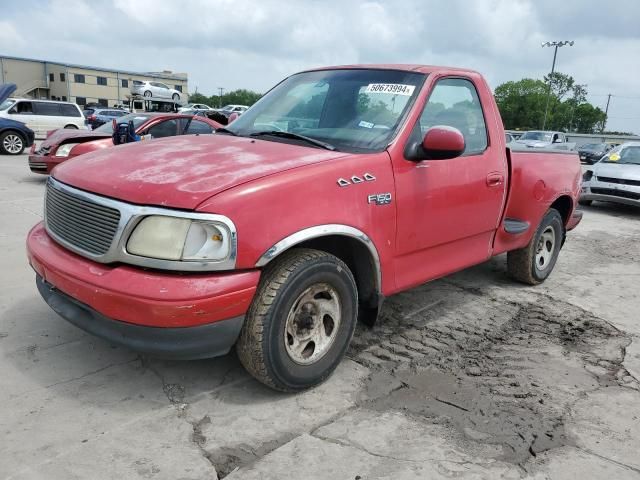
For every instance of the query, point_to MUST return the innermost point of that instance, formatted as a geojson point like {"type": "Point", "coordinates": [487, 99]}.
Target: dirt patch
{"type": "Point", "coordinates": [501, 373]}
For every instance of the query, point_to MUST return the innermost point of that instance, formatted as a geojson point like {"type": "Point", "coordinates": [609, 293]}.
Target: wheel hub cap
{"type": "Point", "coordinates": [545, 248]}
{"type": "Point", "coordinates": [312, 324]}
{"type": "Point", "coordinates": [12, 143]}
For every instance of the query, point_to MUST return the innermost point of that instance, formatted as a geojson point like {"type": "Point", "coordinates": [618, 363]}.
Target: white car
{"type": "Point", "coordinates": [229, 109]}
{"type": "Point", "coordinates": [155, 89]}
{"type": "Point", "coordinates": [42, 116]}
{"type": "Point", "coordinates": [200, 107]}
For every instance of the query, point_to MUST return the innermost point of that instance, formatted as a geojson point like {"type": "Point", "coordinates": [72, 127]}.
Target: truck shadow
{"type": "Point", "coordinates": [613, 209]}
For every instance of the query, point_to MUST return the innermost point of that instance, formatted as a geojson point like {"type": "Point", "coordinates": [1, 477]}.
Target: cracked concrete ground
{"type": "Point", "coordinates": [471, 376]}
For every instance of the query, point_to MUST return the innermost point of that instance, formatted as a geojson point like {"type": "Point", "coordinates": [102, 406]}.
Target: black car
{"type": "Point", "coordinates": [99, 116]}
{"type": "Point", "coordinates": [592, 152]}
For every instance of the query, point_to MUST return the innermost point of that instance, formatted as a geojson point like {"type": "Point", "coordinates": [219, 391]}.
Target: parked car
{"type": "Point", "coordinates": [615, 178]}
{"type": "Point", "coordinates": [544, 139]}
{"type": "Point", "coordinates": [195, 107]}
{"type": "Point", "coordinates": [509, 138]}
{"type": "Point", "coordinates": [280, 231]}
{"type": "Point", "coordinates": [592, 152]}
{"type": "Point", "coordinates": [62, 145]}
{"type": "Point", "coordinates": [14, 136]}
{"type": "Point", "coordinates": [155, 89]}
{"type": "Point", "coordinates": [227, 110]}
{"type": "Point", "coordinates": [100, 116]}
{"type": "Point", "coordinates": [42, 116]}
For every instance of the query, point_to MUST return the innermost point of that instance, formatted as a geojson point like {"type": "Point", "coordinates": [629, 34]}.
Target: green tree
{"type": "Point", "coordinates": [197, 97]}
{"type": "Point", "coordinates": [522, 104]}
{"type": "Point", "coordinates": [236, 97]}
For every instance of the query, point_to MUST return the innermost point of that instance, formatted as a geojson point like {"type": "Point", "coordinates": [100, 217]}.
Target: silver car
{"type": "Point", "coordinates": [615, 178]}
{"type": "Point", "coordinates": [154, 90]}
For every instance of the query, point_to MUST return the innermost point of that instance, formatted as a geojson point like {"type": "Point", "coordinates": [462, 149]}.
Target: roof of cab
{"type": "Point", "coordinates": [398, 66]}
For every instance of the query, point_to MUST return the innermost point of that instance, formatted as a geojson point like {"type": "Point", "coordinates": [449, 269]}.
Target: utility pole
{"type": "Point", "coordinates": [553, 68]}
{"type": "Point", "coordinates": [606, 113]}
{"type": "Point", "coordinates": [220, 90]}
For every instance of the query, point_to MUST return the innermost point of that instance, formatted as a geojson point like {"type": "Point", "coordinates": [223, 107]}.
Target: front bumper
{"type": "Point", "coordinates": [610, 192]}
{"type": "Point", "coordinates": [120, 298]}
{"type": "Point", "coordinates": [44, 163]}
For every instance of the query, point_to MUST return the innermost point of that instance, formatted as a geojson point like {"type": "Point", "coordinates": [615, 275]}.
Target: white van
{"type": "Point", "coordinates": [43, 115]}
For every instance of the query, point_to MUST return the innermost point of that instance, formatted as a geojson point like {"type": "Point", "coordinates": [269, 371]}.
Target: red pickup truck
{"type": "Point", "coordinates": [340, 187]}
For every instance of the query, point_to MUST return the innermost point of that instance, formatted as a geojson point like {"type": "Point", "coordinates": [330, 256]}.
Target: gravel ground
{"type": "Point", "coordinates": [470, 376]}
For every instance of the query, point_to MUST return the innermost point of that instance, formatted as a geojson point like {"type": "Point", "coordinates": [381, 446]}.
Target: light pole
{"type": "Point", "coordinates": [220, 90]}
{"type": "Point", "coordinates": [553, 67]}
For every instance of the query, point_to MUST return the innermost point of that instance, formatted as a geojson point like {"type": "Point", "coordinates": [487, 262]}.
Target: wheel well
{"type": "Point", "coordinates": [563, 205]}
{"type": "Point", "coordinates": [360, 261]}
{"type": "Point", "coordinates": [17, 132]}
{"type": "Point", "coordinates": [71, 125]}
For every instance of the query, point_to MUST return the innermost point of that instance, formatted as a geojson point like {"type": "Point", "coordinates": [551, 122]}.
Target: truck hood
{"type": "Point", "coordinates": [182, 172]}
{"type": "Point", "coordinates": [67, 135]}
{"type": "Point", "coordinates": [626, 171]}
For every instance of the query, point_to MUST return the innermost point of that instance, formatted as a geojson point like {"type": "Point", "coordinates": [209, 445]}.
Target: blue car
{"type": "Point", "coordinates": [99, 116]}
{"type": "Point", "coordinates": [14, 136]}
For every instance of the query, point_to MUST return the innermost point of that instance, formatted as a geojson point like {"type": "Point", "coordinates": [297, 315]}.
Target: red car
{"type": "Point", "coordinates": [63, 144]}
{"type": "Point", "coordinates": [340, 187]}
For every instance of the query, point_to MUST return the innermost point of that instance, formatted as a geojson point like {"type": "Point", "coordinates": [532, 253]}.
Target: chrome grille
{"type": "Point", "coordinates": [80, 222]}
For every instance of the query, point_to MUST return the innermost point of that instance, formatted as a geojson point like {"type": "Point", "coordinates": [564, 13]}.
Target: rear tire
{"type": "Point", "coordinates": [175, 97]}
{"type": "Point", "coordinates": [148, 94]}
{"type": "Point", "coordinates": [534, 263]}
{"type": "Point", "coordinates": [301, 321]}
{"type": "Point", "coordinates": [11, 143]}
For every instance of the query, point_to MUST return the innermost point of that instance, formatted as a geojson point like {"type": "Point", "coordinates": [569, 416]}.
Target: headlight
{"type": "Point", "coordinates": [64, 150]}
{"type": "Point", "coordinates": [182, 239]}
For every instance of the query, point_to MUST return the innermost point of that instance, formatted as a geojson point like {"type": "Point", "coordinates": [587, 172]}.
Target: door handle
{"type": "Point", "coordinates": [495, 179]}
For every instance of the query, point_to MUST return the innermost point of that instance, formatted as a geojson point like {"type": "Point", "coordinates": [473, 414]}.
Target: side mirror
{"type": "Point", "coordinates": [442, 142]}
{"type": "Point", "coordinates": [232, 117]}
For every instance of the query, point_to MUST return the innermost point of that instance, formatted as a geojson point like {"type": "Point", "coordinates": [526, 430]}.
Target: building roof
{"type": "Point", "coordinates": [174, 76]}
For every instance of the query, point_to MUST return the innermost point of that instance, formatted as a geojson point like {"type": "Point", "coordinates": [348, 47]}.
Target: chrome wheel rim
{"type": "Point", "coordinates": [12, 143]}
{"type": "Point", "coordinates": [545, 248]}
{"type": "Point", "coordinates": [147, 93]}
{"type": "Point", "coordinates": [312, 324]}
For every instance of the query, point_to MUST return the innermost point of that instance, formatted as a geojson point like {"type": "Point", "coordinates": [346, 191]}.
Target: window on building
{"type": "Point", "coordinates": [125, 83]}
{"type": "Point", "coordinates": [102, 80]}
{"type": "Point", "coordinates": [103, 102]}
{"type": "Point", "coordinates": [178, 87]}
{"type": "Point", "coordinates": [64, 98]}
{"type": "Point", "coordinates": [63, 77]}
{"type": "Point", "coordinates": [52, 77]}
{"type": "Point", "coordinates": [81, 100]}
{"type": "Point", "coordinates": [78, 78]}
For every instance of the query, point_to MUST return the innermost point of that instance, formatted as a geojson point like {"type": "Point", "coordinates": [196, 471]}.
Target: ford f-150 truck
{"type": "Point", "coordinates": [340, 187]}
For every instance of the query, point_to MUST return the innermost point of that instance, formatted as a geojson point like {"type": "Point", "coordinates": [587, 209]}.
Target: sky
{"type": "Point", "coordinates": [255, 43]}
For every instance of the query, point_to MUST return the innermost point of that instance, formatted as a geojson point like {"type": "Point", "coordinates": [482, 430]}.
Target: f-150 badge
{"type": "Point", "coordinates": [379, 198]}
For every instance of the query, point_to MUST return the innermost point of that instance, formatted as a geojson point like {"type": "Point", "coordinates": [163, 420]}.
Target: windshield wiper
{"type": "Point", "coordinates": [295, 136]}
{"type": "Point", "coordinates": [225, 130]}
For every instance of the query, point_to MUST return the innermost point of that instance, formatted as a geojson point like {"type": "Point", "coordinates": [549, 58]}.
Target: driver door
{"type": "Point", "coordinates": [448, 210]}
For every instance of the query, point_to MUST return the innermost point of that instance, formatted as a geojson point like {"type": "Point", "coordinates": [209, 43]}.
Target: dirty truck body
{"type": "Point", "coordinates": [340, 187]}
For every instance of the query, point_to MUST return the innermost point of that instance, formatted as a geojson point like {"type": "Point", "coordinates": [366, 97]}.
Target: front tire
{"type": "Point", "coordinates": [534, 263]}
{"type": "Point", "coordinates": [301, 321]}
{"type": "Point", "coordinates": [11, 143]}
{"type": "Point", "coordinates": [148, 94]}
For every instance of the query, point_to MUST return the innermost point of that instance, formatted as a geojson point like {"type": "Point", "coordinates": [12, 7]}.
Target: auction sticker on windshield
{"type": "Point", "coordinates": [393, 88]}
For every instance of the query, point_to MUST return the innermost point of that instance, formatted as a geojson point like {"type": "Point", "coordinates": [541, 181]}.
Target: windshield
{"type": "Point", "coordinates": [352, 110]}
{"type": "Point", "coordinates": [626, 155]}
{"type": "Point", "coordinates": [540, 136]}
{"type": "Point", "coordinates": [593, 146]}
{"type": "Point", "coordinates": [137, 118]}
{"type": "Point", "coordinates": [6, 104]}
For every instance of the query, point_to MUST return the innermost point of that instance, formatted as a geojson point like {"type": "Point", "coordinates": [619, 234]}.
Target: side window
{"type": "Point", "coordinates": [178, 88]}
{"type": "Point", "coordinates": [69, 110]}
{"type": "Point", "coordinates": [101, 80]}
{"type": "Point", "coordinates": [48, 109]}
{"type": "Point", "coordinates": [125, 83]}
{"type": "Point", "coordinates": [63, 77]}
{"type": "Point", "coordinates": [168, 128]}
{"type": "Point", "coordinates": [196, 126]}
{"type": "Point", "coordinates": [22, 108]}
{"type": "Point", "coordinates": [454, 102]}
